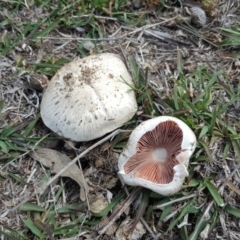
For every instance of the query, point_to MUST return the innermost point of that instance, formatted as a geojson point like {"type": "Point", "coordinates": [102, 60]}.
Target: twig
{"type": "Point", "coordinates": [118, 212]}
{"type": "Point", "coordinates": [196, 33]}
{"type": "Point", "coordinates": [43, 188]}
{"type": "Point", "coordinates": [232, 173]}
{"type": "Point", "coordinates": [62, 46]}
{"type": "Point", "coordinates": [175, 200]}
{"type": "Point", "coordinates": [142, 219]}
{"type": "Point", "coordinates": [150, 26]}
{"type": "Point", "coordinates": [95, 16]}
{"type": "Point", "coordinates": [165, 37]}
{"type": "Point", "coordinates": [28, 180]}
{"type": "Point", "coordinates": [83, 39]}
{"type": "Point", "coordinates": [154, 237]}
{"type": "Point", "coordinates": [141, 29]}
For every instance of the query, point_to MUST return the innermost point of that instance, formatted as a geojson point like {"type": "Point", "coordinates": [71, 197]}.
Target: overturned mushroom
{"type": "Point", "coordinates": [157, 155]}
{"type": "Point", "coordinates": [89, 97]}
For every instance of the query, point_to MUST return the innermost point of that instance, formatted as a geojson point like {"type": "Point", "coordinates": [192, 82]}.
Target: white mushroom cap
{"type": "Point", "coordinates": [89, 97]}
{"type": "Point", "coordinates": [157, 155]}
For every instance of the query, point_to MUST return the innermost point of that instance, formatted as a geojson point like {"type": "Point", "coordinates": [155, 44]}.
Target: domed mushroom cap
{"type": "Point", "coordinates": [89, 97]}
{"type": "Point", "coordinates": [157, 155]}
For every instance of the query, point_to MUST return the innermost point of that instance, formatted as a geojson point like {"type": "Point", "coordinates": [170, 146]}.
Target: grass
{"type": "Point", "coordinates": [10, 140]}
{"type": "Point", "coordinates": [201, 98]}
{"type": "Point", "coordinates": [232, 37]}
{"type": "Point", "coordinates": [65, 14]}
{"type": "Point", "coordinates": [206, 116]}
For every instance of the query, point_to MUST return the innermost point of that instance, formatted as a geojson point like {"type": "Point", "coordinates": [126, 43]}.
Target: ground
{"type": "Point", "coordinates": [184, 59]}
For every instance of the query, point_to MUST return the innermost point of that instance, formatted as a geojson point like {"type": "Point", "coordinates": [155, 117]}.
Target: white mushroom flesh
{"type": "Point", "coordinates": [89, 97]}
{"type": "Point", "coordinates": [157, 155]}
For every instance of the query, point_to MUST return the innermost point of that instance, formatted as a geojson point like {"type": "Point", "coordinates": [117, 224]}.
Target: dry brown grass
{"type": "Point", "coordinates": [36, 39]}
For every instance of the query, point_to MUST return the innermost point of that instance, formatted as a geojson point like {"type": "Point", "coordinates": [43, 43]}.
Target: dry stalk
{"type": "Point", "coordinates": [118, 212]}
{"type": "Point", "coordinates": [142, 219]}
{"type": "Point", "coordinates": [43, 188]}
{"type": "Point", "coordinates": [174, 201]}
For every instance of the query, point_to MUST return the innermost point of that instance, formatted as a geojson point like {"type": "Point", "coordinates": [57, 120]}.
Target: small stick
{"type": "Point", "coordinates": [142, 219]}
{"type": "Point", "coordinates": [28, 180]}
{"type": "Point", "coordinates": [140, 29]}
{"type": "Point", "coordinates": [82, 38]}
{"type": "Point", "coordinates": [118, 212]}
{"type": "Point", "coordinates": [173, 201]}
{"type": "Point", "coordinates": [43, 188]}
{"type": "Point", "coordinates": [154, 237]}
{"type": "Point", "coordinates": [95, 16]}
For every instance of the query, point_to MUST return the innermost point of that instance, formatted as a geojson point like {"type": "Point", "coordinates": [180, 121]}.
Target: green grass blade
{"type": "Point", "coordinates": [32, 207]}
{"type": "Point", "coordinates": [203, 131]}
{"type": "Point", "coordinates": [7, 131]}
{"type": "Point", "coordinates": [8, 236]}
{"type": "Point", "coordinates": [4, 147]}
{"type": "Point", "coordinates": [44, 32]}
{"type": "Point", "coordinates": [166, 211]}
{"type": "Point", "coordinates": [1, 106]}
{"type": "Point", "coordinates": [206, 148]}
{"type": "Point", "coordinates": [72, 208]}
{"type": "Point", "coordinates": [17, 178]}
{"type": "Point", "coordinates": [33, 228]}
{"type": "Point", "coordinates": [186, 210]}
{"type": "Point", "coordinates": [110, 206]}
{"type": "Point", "coordinates": [214, 192]}
{"type": "Point", "coordinates": [214, 218]}
{"type": "Point", "coordinates": [12, 233]}
{"type": "Point", "coordinates": [30, 126]}
{"type": "Point", "coordinates": [233, 211]}
{"type": "Point", "coordinates": [213, 121]}
{"type": "Point", "coordinates": [175, 99]}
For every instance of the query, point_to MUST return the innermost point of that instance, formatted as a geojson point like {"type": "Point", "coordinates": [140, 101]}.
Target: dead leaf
{"type": "Point", "coordinates": [57, 161]}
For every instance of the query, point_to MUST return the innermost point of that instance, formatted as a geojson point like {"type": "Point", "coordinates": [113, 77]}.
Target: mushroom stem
{"type": "Point", "coordinates": [160, 154]}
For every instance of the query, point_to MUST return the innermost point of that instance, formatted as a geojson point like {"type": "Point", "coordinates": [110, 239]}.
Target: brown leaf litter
{"type": "Point", "coordinates": [154, 46]}
{"type": "Point", "coordinates": [56, 161]}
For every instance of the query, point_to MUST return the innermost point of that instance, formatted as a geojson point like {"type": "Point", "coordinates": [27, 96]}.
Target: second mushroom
{"type": "Point", "coordinates": [157, 155]}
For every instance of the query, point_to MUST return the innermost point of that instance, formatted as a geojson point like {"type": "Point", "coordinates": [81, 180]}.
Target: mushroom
{"type": "Point", "coordinates": [157, 155]}
{"type": "Point", "coordinates": [89, 97]}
